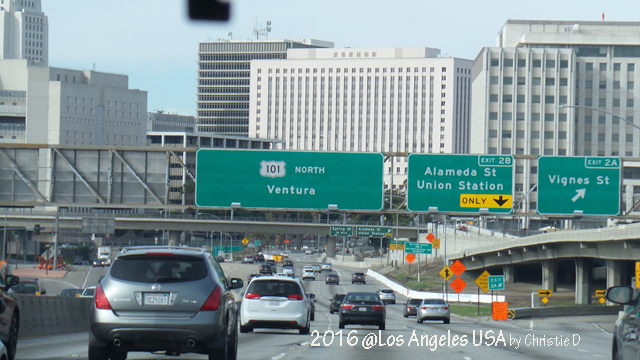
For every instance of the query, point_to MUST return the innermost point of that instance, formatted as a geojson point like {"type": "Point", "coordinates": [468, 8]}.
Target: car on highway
{"type": "Point", "coordinates": [625, 330]}
{"type": "Point", "coordinates": [433, 309]}
{"type": "Point", "coordinates": [100, 262]}
{"type": "Point", "coordinates": [362, 308]}
{"type": "Point", "coordinates": [308, 252]}
{"type": "Point", "coordinates": [332, 278]}
{"type": "Point", "coordinates": [248, 259]}
{"type": "Point", "coordinates": [266, 269]}
{"type": "Point", "coordinates": [259, 258]}
{"type": "Point", "coordinates": [284, 253]}
{"type": "Point", "coordinates": [272, 263]}
{"type": "Point", "coordinates": [287, 262]}
{"type": "Point", "coordinates": [308, 274]}
{"type": "Point", "coordinates": [358, 278]}
{"type": "Point", "coordinates": [9, 312]}
{"type": "Point", "coordinates": [30, 286]}
{"type": "Point", "coordinates": [251, 277]}
{"type": "Point", "coordinates": [334, 305]}
{"type": "Point", "coordinates": [317, 268]}
{"type": "Point", "coordinates": [288, 270]}
{"type": "Point", "coordinates": [172, 300]}
{"type": "Point", "coordinates": [411, 307]}
{"type": "Point", "coordinates": [275, 302]}
{"type": "Point", "coordinates": [387, 295]}
{"type": "Point", "coordinates": [72, 292]}
{"type": "Point", "coordinates": [326, 266]}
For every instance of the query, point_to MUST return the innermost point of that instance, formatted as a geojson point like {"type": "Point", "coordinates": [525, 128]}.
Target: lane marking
{"type": "Point", "coordinates": [466, 358]}
{"type": "Point", "coordinates": [278, 356]}
{"type": "Point", "coordinates": [84, 284]}
{"type": "Point", "coordinates": [603, 329]}
{"type": "Point", "coordinates": [305, 343]}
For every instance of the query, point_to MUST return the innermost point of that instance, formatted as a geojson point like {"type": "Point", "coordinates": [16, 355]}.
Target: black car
{"type": "Point", "coordinates": [334, 306]}
{"type": "Point", "coordinates": [411, 306]}
{"type": "Point", "coordinates": [258, 258]}
{"type": "Point", "coordinates": [267, 268]}
{"type": "Point", "coordinates": [287, 263]}
{"type": "Point", "coordinates": [625, 345]}
{"type": "Point", "coordinates": [359, 278]}
{"type": "Point", "coordinates": [362, 308]}
{"type": "Point", "coordinates": [333, 278]}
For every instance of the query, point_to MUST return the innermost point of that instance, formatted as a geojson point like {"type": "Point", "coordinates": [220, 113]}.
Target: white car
{"type": "Point", "coordinates": [308, 252]}
{"type": "Point", "coordinates": [275, 303]}
{"type": "Point", "coordinates": [288, 270]}
{"type": "Point", "coordinates": [308, 274]}
{"type": "Point", "coordinates": [326, 266]}
{"type": "Point", "coordinates": [284, 253]}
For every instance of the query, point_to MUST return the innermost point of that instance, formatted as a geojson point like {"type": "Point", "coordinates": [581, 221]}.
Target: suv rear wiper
{"type": "Point", "coordinates": [167, 279]}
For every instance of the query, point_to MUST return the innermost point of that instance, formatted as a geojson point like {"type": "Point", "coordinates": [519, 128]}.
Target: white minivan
{"type": "Point", "coordinates": [275, 302]}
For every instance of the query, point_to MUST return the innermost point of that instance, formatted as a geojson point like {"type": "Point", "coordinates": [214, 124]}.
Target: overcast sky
{"type": "Point", "coordinates": [155, 44]}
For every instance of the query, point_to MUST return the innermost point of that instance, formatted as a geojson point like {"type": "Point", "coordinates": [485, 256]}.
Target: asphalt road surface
{"type": "Point", "coordinates": [464, 338]}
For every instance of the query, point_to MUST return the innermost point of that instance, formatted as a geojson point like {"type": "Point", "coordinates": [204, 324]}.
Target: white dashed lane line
{"type": "Point", "coordinates": [277, 357]}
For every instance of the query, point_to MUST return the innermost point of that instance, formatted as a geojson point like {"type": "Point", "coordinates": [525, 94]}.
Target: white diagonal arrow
{"type": "Point", "coordinates": [580, 194]}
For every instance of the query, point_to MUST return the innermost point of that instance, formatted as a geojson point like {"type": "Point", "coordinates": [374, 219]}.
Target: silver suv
{"type": "Point", "coordinates": [164, 299]}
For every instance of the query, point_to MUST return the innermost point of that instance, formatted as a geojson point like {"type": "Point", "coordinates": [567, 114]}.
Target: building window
{"type": "Point", "coordinates": [507, 80]}
{"type": "Point", "coordinates": [493, 116]}
{"type": "Point", "coordinates": [629, 102]}
{"type": "Point", "coordinates": [495, 62]}
{"type": "Point", "coordinates": [493, 97]}
{"type": "Point", "coordinates": [548, 135]}
{"type": "Point", "coordinates": [508, 62]}
{"type": "Point", "coordinates": [550, 81]}
{"type": "Point", "coordinates": [521, 80]}
{"type": "Point", "coordinates": [522, 63]}
{"type": "Point", "coordinates": [506, 134]}
{"type": "Point", "coordinates": [603, 66]}
{"type": "Point", "coordinates": [616, 67]}
{"type": "Point", "coordinates": [564, 64]}
{"type": "Point", "coordinates": [535, 116]}
{"type": "Point", "coordinates": [520, 116]}
{"type": "Point", "coordinates": [521, 99]}
{"type": "Point", "coordinates": [549, 99]}
{"type": "Point", "coordinates": [548, 117]}
{"type": "Point", "coordinates": [550, 64]}
{"type": "Point", "coordinates": [535, 99]}
{"type": "Point", "coordinates": [589, 66]}
{"type": "Point", "coordinates": [506, 98]}
{"type": "Point", "coordinates": [537, 63]}
{"type": "Point", "coordinates": [631, 67]}
{"type": "Point", "coordinates": [507, 116]}
{"type": "Point", "coordinates": [493, 134]}
{"type": "Point", "coordinates": [564, 81]}
{"type": "Point", "coordinates": [535, 81]}
{"type": "Point", "coordinates": [535, 134]}
{"type": "Point", "coordinates": [629, 85]}
{"type": "Point", "coordinates": [493, 80]}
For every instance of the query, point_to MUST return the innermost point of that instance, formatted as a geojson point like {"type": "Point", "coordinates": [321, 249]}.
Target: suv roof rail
{"type": "Point", "coordinates": [161, 247]}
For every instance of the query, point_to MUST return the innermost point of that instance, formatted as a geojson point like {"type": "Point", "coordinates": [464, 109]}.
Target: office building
{"type": "Point", "coordinates": [364, 100]}
{"type": "Point", "coordinates": [557, 88]}
{"type": "Point", "coordinates": [24, 31]}
{"type": "Point", "coordinates": [223, 80]}
{"type": "Point", "coordinates": [47, 105]}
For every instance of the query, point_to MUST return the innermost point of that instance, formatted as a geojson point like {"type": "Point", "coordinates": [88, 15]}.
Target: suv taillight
{"type": "Point", "coordinates": [347, 306]}
{"type": "Point", "coordinates": [295, 297]}
{"type": "Point", "coordinates": [101, 299]}
{"type": "Point", "coordinates": [213, 301]}
{"type": "Point", "coordinates": [251, 296]}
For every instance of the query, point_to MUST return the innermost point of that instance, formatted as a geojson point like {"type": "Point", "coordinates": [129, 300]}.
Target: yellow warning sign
{"type": "Point", "coordinates": [436, 244]}
{"type": "Point", "coordinates": [245, 241]}
{"type": "Point", "coordinates": [483, 281]}
{"type": "Point", "coordinates": [446, 273]}
{"type": "Point", "coordinates": [545, 300]}
{"type": "Point", "coordinates": [486, 201]}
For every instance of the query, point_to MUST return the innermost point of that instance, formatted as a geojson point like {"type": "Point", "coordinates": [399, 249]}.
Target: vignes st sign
{"type": "Point", "coordinates": [289, 179]}
{"type": "Point", "coordinates": [460, 183]}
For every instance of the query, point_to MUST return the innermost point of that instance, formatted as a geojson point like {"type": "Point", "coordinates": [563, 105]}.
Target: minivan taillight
{"type": "Point", "coordinates": [295, 297]}
{"type": "Point", "coordinates": [213, 301]}
{"type": "Point", "coordinates": [101, 299]}
{"type": "Point", "coordinates": [251, 296]}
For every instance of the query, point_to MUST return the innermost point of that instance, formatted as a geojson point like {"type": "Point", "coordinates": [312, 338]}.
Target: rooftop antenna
{"type": "Point", "coordinates": [230, 35]}
{"type": "Point", "coordinates": [263, 31]}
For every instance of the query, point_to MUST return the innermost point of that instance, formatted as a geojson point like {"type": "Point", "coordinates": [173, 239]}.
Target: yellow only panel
{"type": "Point", "coordinates": [486, 201]}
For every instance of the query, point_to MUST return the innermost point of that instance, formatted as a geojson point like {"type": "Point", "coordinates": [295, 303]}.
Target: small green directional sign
{"type": "Point", "coordinates": [341, 230]}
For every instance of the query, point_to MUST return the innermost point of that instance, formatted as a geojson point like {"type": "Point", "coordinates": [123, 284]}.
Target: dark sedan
{"type": "Point", "coordinates": [362, 308]}
{"type": "Point", "coordinates": [333, 278]}
{"type": "Point", "coordinates": [334, 306]}
{"type": "Point", "coordinates": [410, 308]}
{"type": "Point", "coordinates": [359, 278]}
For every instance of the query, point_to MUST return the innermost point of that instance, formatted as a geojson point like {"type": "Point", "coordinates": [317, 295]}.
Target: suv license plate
{"type": "Point", "coordinates": [362, 309]}
{"type": "Point", "coordinates": [156, 298]}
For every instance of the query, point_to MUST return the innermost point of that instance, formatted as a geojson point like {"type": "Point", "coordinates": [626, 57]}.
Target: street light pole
{"type": "Point", "coordinates": [598, 109]}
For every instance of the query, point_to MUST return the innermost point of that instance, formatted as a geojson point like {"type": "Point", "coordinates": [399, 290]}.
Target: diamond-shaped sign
{"type": "Point", "coordinates": [458, 267]}
{"type": "Point", "coordinates": [458, 285]}
{"type": "Point", "coordinates": [430, 237]}
{"type": "Point", "coordinates": [446, 273]}
{"type": "Point", "coordinates": [602, 300]}
{"type": "Point", "coordinates": [483, 281]}
{"type": "Point", "coordinates": [245, 241]}
{"type": "Point", "coordinates": [545, 300]}
{"type": "Point", "coordinates": [410, 258]}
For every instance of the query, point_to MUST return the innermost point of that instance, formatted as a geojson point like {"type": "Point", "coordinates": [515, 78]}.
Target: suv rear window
{"type": "Point", "coordinates": [386, 291]}
{"type": "Point", "coordinates": [274, 288]}
{"type": "Point", "coordinates": [159, 268]}
{"type": "Point", "coordinates": [339, 297]}
{"type": "Point", "coordinates": [415, 302]}
{"type": "Point", "coordinates": [26, 288]}
{"type": "Point", "coordinates": [359, 274]}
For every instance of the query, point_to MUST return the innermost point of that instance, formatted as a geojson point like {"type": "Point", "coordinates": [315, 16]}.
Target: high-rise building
{"type": "Point", "coordinates": [557, 88]}
{"type": "Point", "coordinates": [223, 80]}
{"type": "Point", "coordinates": [364, 99]}
{"type": "Point", "coordinates": [46, 105]}
{"type": "Point", "coordinates": [24, 30]}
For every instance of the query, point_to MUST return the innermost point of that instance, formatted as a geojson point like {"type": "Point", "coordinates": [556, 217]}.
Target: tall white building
{"type": "Point", "coordinates": [24, 30]}
{"type": "Point", "coordinates": [557, 88]}
{"type": "Point", "coordinates": [363, 99]}
{"type": "Point", "coordinates": [46, 105]}
{"type": "Point", "coordinates": [223, 80]}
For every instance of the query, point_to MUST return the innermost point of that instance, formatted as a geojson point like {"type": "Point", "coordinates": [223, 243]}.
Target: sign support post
{"type": "Point", "coordinates": [418, 237]}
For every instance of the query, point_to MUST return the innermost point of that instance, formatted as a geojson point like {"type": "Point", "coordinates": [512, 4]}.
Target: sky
{"type": "Point", "coordinates": [155, 43]}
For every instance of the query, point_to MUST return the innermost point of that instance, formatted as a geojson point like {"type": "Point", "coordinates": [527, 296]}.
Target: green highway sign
{"type": "Point", "coordinates": [289, 179]}
{"type": "Point", "coordinates": [373, 231]}
{"type": "Point", "coordinates": [341, 230]}
{"type": "Point", "coordinates": [412, 247]}
{"type": "Point", "coordinates": [460, 183]}
{"type": "Point", "coordinates": [587, 185]}
{"type": "Point", "coordinates": [496, 282]}
{"type": "Point", "coordinates": [257, 242]}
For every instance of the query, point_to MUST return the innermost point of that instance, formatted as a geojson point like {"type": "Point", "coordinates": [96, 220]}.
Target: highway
{"type": "Point", "coordinates": [464, 338]}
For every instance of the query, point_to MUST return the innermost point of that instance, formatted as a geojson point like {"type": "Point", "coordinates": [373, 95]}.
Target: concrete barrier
{"type": "Point", "coordinates": [53, 315]}
{"type": "Point", "coordinates": [521, 313]}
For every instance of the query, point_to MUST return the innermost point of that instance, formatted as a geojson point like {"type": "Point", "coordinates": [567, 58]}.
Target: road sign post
{"type": "Point", "coordinates": [460, 183]}
{"type": "Point", "coordinates": [258, 179]}
{"type": "Point", "coordinates": [574, 184]}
